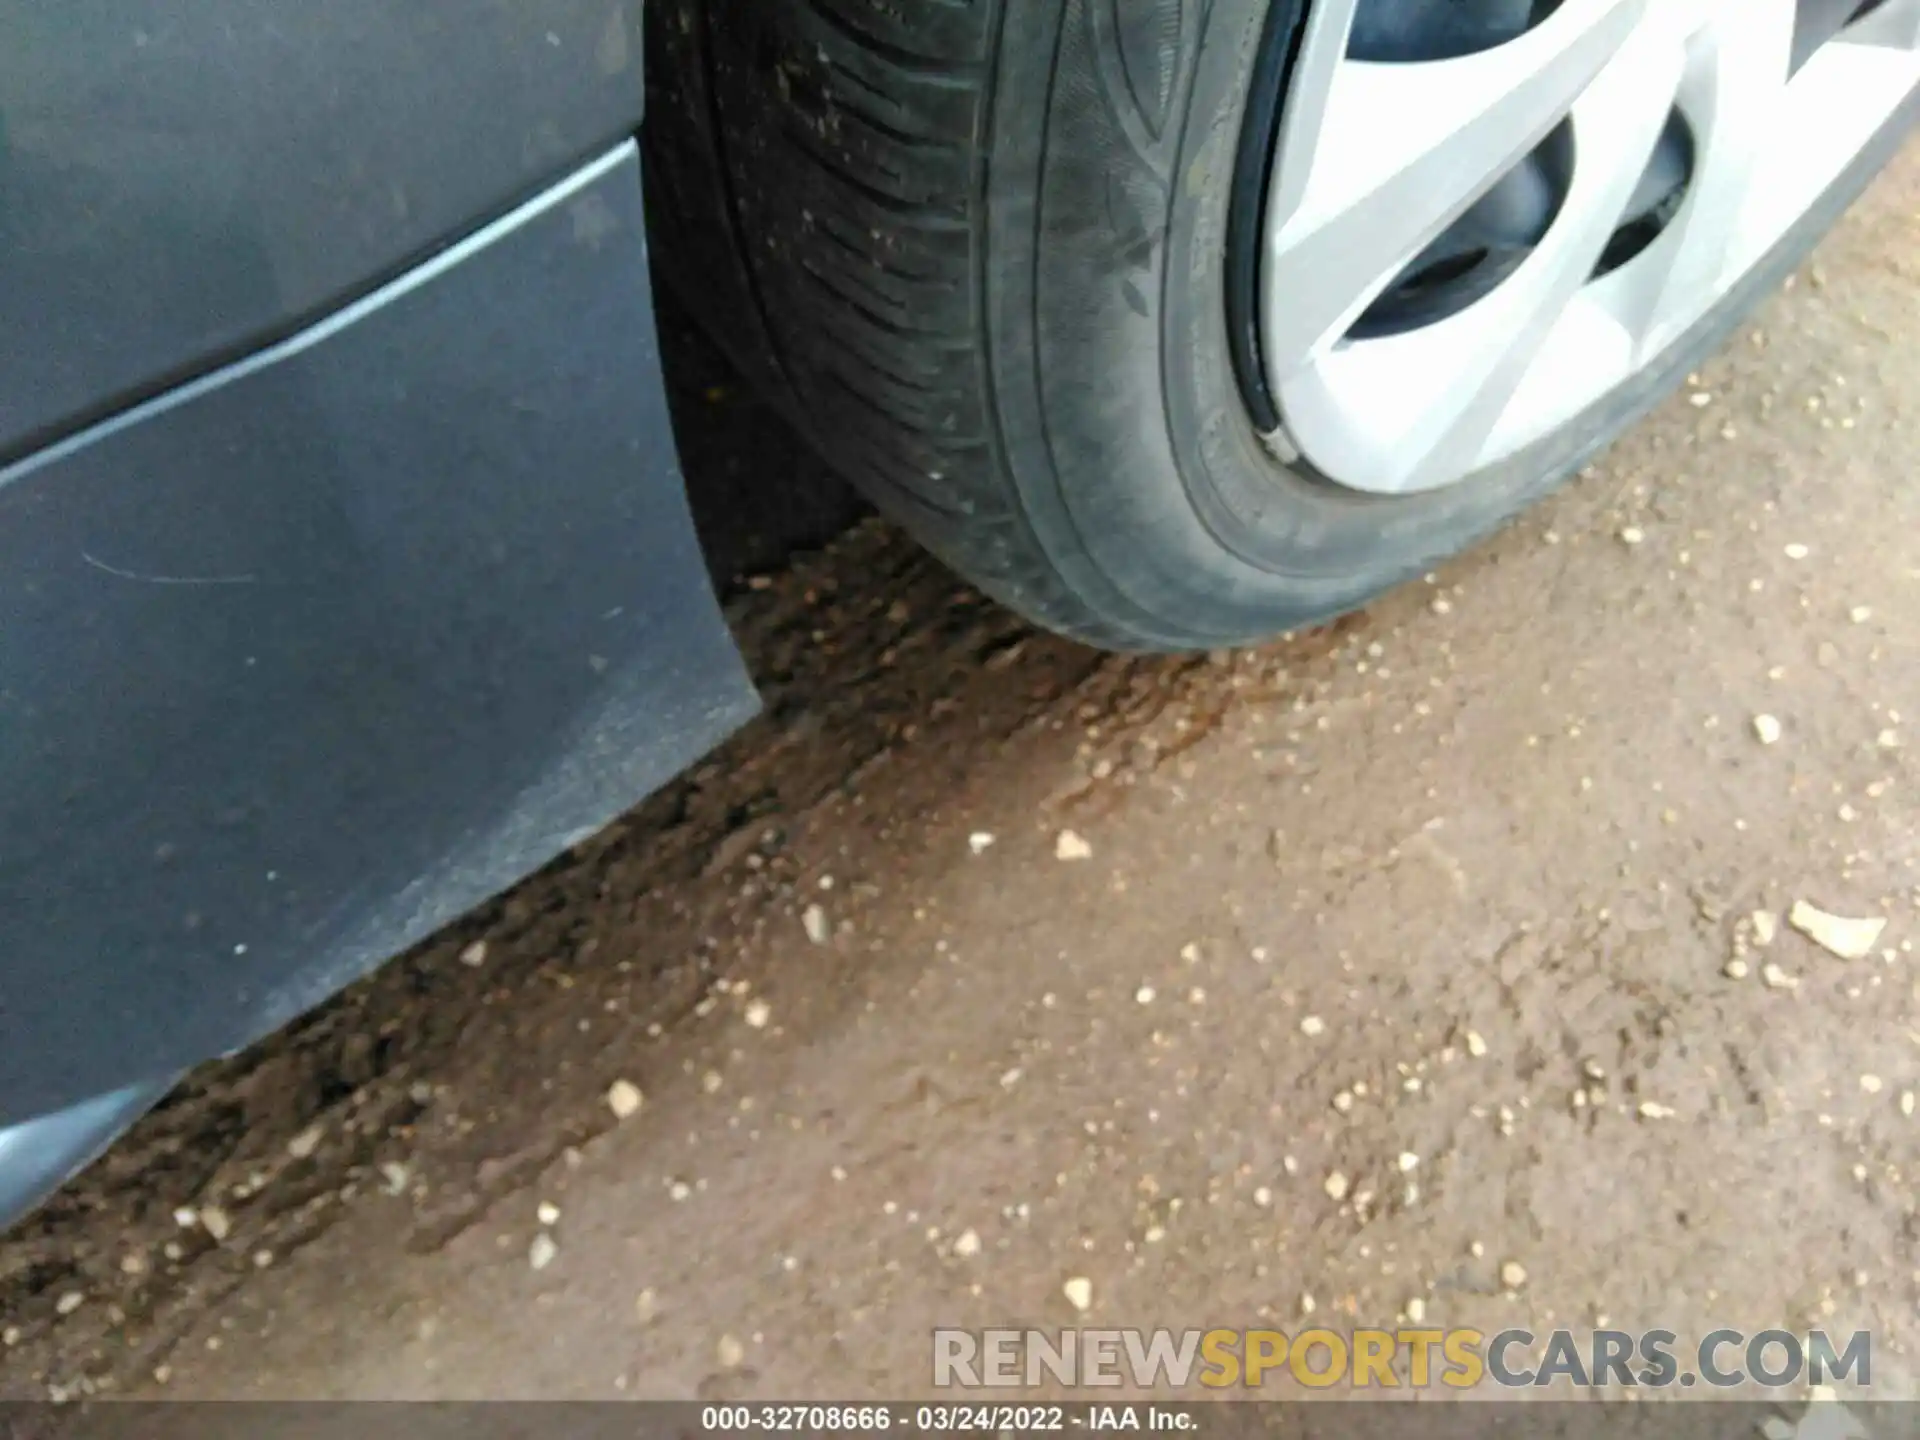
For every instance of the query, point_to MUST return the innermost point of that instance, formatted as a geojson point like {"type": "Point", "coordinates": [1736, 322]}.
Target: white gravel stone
{"type": "Point", "coordinates": [967, 1244]}
{"type": "Point", "coordinates": [1849, 939]}
{"type": "Point", "coordinates": [1145, 995]}
{"type": "Point", "coordinates": [979, 840]}
{"type": "Point", "coordinates": [1776, 978]}
{"type": "Point", "coordinates": [1409, 1162]}
{"type": "Point", "coordinates": [1079, 1292]}
{"type": "Point", "coordinates": [730, 1353]}
{"type": "Point", "coordinates": [1766, 729]}
{"type": "Point", "coordinates": [1513, 1274]}
{"type": "Point", "coordinates": [1476, 1044]}
{"type": "Point", "coordinates": [69, 1302]}
{"type": "Point", "coordinates": [624, 1099]}
{"type": "Point", "coordinates": [758, 1013]}
{"type": "Point", "coordinates": [541, 1252]}
{"type": "Point", "coordinates": [1766, 927]}
{"type": "Point", "coordinates": [1068, 845]}
{"type": "Point", "coordinates": [215, 1222]}
{"type": "Point", "coordinates": [1313, 1025]}
{"type": "Point", "coordinates": [475, 955]}
{"type": "Point", "coordinates": [1336, 1186]}
{"type": "Point", "coordinates": [547, 1213]}
{"type": "Point", "coordinates": [1632, 535]}
{"type": "Point", "coordinates": [306, 1142]}
{"type": "Point", "coordinates": [813, 920]}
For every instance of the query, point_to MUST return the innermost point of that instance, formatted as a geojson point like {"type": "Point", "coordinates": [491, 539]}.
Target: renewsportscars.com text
{"type": "Point", "coordinates": [1402, 1358]}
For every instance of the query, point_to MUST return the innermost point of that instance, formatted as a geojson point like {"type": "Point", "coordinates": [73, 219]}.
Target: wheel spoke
{"type": "Point", "coordinates": [1737, 70]}
{"type": "Point", "coordinates": [1452, 381]}
{"type": "Point", "coordinates": [1616, 126]}
{"type": "Point", "coordinates": [1323, 53]}
{"type": "Point", "coordinates": [1894, 26]}
{"type": "Point", "coordinates": [1376, 159]}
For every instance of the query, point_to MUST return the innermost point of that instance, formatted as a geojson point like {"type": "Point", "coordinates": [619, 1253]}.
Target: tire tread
{"type": "Point", "coordinates": [856, 192]}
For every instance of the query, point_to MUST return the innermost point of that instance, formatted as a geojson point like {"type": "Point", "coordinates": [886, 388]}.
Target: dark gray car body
{"type": "Point", "coordinates": [346, 573]}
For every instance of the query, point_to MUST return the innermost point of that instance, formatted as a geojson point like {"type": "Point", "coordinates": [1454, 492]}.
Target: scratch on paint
{"type": "Point", "coordinates": [168, 579]}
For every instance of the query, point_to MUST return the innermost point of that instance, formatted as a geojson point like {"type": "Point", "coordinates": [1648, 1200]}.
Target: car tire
{"type": "Point", "coordinates": [981, 251]}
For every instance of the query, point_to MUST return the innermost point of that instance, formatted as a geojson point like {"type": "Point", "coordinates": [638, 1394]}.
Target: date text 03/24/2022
{"type": "Point", "coordinates": [941, 1419]}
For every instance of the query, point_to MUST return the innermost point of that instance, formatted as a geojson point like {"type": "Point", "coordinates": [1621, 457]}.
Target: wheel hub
{"type": "Point", "coordinates": [1483, 215]}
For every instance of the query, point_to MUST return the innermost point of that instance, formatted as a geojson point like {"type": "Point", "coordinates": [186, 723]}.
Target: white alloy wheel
{"type": "Point", "coordinates": [1383, 169]}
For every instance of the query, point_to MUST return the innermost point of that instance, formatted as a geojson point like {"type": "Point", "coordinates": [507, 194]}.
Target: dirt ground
{"type": "Point", "coordinates": [1380, 961]}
